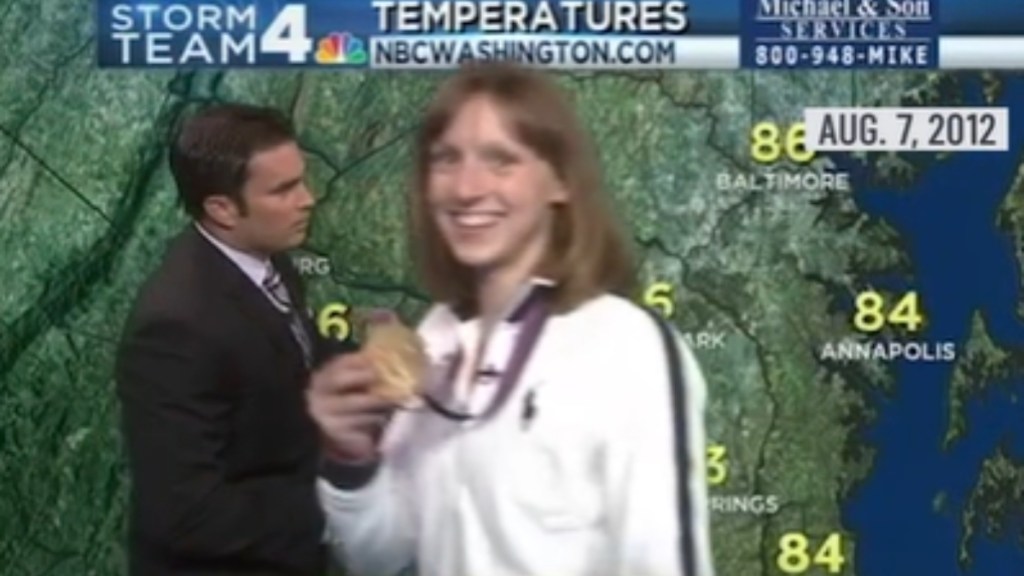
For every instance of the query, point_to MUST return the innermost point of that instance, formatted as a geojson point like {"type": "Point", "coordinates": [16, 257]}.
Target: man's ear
{"type": "Point", "coordinates": [222, 210]}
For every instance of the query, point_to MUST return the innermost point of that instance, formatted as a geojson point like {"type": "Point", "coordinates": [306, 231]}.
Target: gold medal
{"type": "Point", "coordinates": [398, 354]}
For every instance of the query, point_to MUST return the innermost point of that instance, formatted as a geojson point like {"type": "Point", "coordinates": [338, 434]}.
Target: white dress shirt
{"type": "Point", "coordinates": [586, 487]}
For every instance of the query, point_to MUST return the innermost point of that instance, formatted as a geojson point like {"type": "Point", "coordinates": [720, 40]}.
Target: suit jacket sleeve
{"type": "Point", "coordinates": [175, 414]}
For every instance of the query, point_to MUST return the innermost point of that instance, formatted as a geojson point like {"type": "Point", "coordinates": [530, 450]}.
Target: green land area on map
{"type": "Point", "coordinates": [86, 206]}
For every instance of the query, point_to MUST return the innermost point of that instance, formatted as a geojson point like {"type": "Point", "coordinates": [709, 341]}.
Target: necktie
{"type": "Point", "coordinates": [278, 293]}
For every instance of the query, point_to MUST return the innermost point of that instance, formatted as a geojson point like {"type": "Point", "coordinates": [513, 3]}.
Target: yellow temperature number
{"type": "Point", "coordinates": [333, 321]}
{"type": "Point", "coordinates": [718, 464]}
{"type": "Point", "coordinates": [796, 554]}
{"type": "Point", "coordinates": [770, 143]}
{"type": "Point", "coordinates": [661, 297]}
{"type": "Point", "coordinates": [873, 313]}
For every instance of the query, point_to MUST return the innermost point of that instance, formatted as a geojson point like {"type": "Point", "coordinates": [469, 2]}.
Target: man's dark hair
{"type": "Point", "coordinates": [211, 152]}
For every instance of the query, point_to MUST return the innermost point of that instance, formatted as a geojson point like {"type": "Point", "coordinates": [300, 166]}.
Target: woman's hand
{"type": "Point", "coordinates": [350, 417]}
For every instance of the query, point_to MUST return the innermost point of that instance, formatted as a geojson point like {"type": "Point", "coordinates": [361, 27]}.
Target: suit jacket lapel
{"type": "Point", "coordinates": [249, 298]}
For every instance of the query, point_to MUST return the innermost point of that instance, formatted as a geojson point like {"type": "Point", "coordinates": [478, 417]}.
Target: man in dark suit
{"type": "Point", "coordinates": [214, 363]}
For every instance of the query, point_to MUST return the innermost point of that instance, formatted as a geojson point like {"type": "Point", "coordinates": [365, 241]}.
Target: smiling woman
{"type": "Point", "coordinates": [561, 429]}
{"type": "Point", "coordinates": [507, 184]}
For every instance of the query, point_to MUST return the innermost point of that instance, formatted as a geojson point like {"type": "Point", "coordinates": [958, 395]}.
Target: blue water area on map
{"type": "Point", "coordinates": [961, 263]}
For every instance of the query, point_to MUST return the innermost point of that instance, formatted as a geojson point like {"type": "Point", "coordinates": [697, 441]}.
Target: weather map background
{"type": "Point", "coordinates": [882, 468]}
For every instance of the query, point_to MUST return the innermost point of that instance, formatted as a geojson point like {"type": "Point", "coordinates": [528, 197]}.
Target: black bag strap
{"type": "Point", "coordinates": [682, 452]}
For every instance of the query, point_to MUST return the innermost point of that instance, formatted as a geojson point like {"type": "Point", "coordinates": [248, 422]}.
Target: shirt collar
{"type": "Point", "coordinates": [253, 267]}
{"type": "Point", "coordinates": [528, 294]}
{"type": "Point", "coordinates": [449, 332]}
{"type": "Point", "coordinates": [517, 308]}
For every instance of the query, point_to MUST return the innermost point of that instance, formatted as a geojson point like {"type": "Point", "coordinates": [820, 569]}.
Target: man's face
{"type": "Point", "coordinates": [278, 205]}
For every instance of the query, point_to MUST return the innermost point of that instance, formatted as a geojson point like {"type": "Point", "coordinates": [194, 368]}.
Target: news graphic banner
{"type": "Point", "coordinates": [565, 34]}
{"type": "Point", "coordinates": [859, 314]}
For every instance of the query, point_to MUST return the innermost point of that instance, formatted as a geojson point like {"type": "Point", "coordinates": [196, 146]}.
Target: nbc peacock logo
{"type": "Point", "coordinates": [340, 48]}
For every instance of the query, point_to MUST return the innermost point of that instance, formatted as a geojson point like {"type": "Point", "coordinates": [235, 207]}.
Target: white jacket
{"type": "Point", "coordinates": [587, 487]}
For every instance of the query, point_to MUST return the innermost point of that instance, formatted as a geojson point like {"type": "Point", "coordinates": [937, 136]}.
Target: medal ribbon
{"type": "Point", "coordinates": [535, 316]}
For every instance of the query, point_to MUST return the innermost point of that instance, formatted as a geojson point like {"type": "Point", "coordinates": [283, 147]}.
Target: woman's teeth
{"type": "Point", "coordinates": [475, 219]}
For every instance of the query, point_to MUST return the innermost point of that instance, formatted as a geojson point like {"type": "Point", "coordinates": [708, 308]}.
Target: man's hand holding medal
{"type": "Point", "coordinates": [352, 397]}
